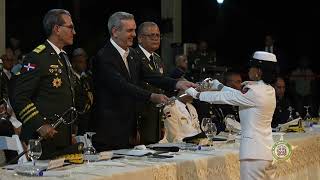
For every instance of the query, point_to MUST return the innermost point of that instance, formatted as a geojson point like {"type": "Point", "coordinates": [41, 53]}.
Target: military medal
{"type": "Point", "coordinates": [56, 82]}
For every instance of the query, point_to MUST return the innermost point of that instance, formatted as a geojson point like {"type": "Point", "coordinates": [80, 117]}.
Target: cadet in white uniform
{"type": "Point", "coordinates": [256, 103]}
{"type": "Point", "coordinates": [181, 120]}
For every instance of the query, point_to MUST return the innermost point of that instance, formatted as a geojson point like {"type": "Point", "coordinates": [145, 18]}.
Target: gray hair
{"type": "Point", "coordinates": [179, 58]}
{"type": "Point", "coordinates": [53, 17]}
{"type": "Point", "coordinates": [144, 25]}
{"type": "Point", "coordinates": [116, 18]}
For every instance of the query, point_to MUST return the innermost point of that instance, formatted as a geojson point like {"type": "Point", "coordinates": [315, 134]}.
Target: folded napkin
{"type": "Point", "coordinates": [289, 126]}
{"type": "Point", "coordinates": [234, 126]}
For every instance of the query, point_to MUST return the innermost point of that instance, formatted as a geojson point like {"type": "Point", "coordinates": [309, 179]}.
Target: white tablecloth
{"type": "Point", "coordinates": [222, 163]}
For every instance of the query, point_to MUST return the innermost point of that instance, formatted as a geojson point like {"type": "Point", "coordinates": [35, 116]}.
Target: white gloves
{"type": "Point", "coordinates": [214, 84]}
{"type": "Point", "coordinates": [192, 92]}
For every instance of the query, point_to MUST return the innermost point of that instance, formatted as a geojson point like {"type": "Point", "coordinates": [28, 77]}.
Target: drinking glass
{"type": "Point", "coordinates": [307, 116]}
{"type": "Point", "coordinates": [290, 109]}
{"type": "Point", "coordinates": [35, 150]}
{"type": "Point", "coordinates": [89, 150]}
{"type": "Point", "coordinates": [209, 128]}
{"type": "Point", "coordinates": [227, 122]}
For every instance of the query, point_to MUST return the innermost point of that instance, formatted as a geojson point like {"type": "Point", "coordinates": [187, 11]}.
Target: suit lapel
{"type": "Point", "coordinates": [118, 61]}
{"type": "Point", "coordinates": [132, 65]}
{"type": "Point", "coordinates": [145, 60]}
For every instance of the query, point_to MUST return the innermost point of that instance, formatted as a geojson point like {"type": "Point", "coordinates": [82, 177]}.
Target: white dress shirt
{"type": "Point", "coordinates": [124, 53]}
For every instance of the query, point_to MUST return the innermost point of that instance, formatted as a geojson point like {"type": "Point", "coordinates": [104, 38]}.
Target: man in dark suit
{"type": "Point", "coordinates": [116, 73]}
{"type": "Point", "coordinates": [271, 46]}
{"type": "Point", "coordinates": [43, 86]}
{"type": "Point", "coordinates": [149, 116]}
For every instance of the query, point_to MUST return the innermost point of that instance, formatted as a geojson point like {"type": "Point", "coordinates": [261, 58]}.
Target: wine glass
{"type": "Point", "coordinates": [89, 150]}
{"type": "Point", "coordinates": [211, 132]}
{"type": "Point", "coordinates": [204, 122]}
{"type": "Point", "coordinates": [307, 117]}
{"type": "Point", "coordinates": [35, 150]}
{"type": "Point", "coordinates": [209, 128]}
{"type": "Point", "coordinates": [228, 120]}
{"type": "Point", "coordinates": [290, 109]}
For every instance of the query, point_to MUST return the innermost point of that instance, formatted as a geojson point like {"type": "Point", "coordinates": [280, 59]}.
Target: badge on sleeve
{"type": "Point", "coordinates": [28, 67]}
{"type": "Point", "coordinates": [56, 82]}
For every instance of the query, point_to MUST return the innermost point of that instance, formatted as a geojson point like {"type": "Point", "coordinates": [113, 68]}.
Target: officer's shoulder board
{"type": "Point", "coordinates": [39, 49]}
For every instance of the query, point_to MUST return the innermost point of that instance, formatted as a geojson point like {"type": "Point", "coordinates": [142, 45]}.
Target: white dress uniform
{"type": "Point", "coordinates": [180, 122]}
{"type": "Point", "coordinates": [256, 108]}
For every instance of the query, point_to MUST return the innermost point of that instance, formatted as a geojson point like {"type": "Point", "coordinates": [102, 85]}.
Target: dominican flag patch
{"type": "Point", "coordinates": [28, 67]}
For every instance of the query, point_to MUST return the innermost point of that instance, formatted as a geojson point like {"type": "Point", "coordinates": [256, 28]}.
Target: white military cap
{"type": "Point", "coordinates": [263, 59]}
{"type": "Point", "coordinates": [264, 56]}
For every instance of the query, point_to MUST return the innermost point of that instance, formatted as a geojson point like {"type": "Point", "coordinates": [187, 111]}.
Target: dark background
{"type": "Point", "coordinates": [234, 30]}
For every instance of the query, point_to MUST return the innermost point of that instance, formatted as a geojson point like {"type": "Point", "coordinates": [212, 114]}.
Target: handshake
{"type": "Point", "coordinates": [208, 84]}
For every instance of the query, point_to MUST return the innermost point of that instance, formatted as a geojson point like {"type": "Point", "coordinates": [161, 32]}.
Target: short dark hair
{"type": "Point", "coordinates": [53, 17]}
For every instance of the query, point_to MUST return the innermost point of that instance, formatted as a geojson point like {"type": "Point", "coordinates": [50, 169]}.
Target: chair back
{"type": "Point", "coordinates": [13, 143]}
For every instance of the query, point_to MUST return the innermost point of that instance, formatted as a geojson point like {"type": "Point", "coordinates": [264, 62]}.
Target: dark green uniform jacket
{"type": "Point", "coordinates": [41, 90]}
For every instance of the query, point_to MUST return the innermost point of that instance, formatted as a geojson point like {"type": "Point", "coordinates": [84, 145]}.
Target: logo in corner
{"type": "Point", "coordinates": [281, 150]}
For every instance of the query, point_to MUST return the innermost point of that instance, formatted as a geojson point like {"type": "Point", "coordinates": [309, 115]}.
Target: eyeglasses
{"type": "Point", "coordinates": [69, 27]}
{"type": "Point", "coordinates": [153, 36]}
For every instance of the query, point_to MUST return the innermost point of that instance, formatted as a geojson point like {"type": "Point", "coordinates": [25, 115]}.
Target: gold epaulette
{"type": "Point", "coordinates": [39, 48]}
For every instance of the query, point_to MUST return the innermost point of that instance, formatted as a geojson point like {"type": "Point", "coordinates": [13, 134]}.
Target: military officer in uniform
{"type": "Point", "coordinates": [43, 87]}
{"type": "Point", "coordinates": [150, 117]}
{"type": "Point", "coordinates": [181, 120]}
{"type": "Point", "coordinates": [257, 103]}
{"type": "Point", "coordinates": [83, 90]}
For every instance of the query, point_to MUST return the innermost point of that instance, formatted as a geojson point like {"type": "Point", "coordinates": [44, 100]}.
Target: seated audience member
{"type": "Point", "coordinates": [4, 84]}
{"type": "Point", "coordinates": [181, 120]}
{"type": "Point", "coordinates": [281, 113]}
{"type": "Point", "coordinates": [302, 79]}
{"type": "Point", "coordinates": [6, 129]}
{"type": "Point", "coordinates": [233, 80]}
{"type": "Point", "coordinates": [181, 68]}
